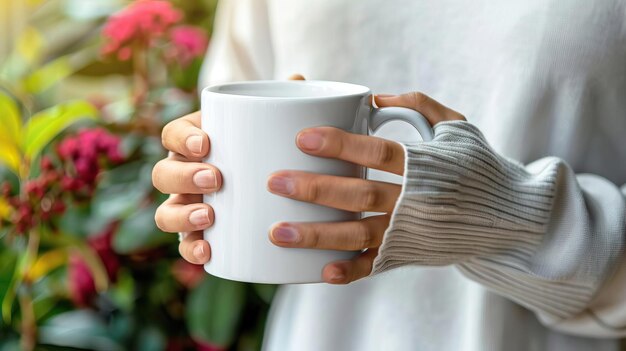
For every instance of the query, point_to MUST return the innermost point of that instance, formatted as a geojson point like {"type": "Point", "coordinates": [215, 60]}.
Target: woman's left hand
{"type": "Point", "coordinates": [350, 194]}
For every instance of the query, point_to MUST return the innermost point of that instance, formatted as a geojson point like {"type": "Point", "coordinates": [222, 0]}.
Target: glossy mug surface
{"type": "Point", "coordinates": [252, 128]}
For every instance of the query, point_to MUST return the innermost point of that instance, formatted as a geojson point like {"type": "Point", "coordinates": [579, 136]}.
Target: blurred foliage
{"type": "Point", "coordinates": [83, 265]}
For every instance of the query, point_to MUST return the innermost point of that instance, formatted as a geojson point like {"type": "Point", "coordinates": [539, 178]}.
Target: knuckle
{"type": "Point", "coordinates": [336, 141]}
{"type": "Point", "coordinates": [184, 175]}
{"type": "Point", "coordinates": [369, 198]}
{"type": "Point", "coordinates": [313, 237]}
{"type": "Point", "coordinates": [364, 237]}
{"type": "Point", "coordinates": [185, 248]}
{"type": "Point", "coordinates": [313, 191]}
{"type": "Point", "coordinates": [384, 153]}
{"type": "Point", "coordinates": [418, 99]}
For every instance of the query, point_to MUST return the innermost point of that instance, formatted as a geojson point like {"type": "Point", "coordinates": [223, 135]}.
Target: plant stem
{"type": "Point", "coordinates": [146, 112]}
{"type": "Point", "coordinates": [140, 75]}
{"type": "Point", "coordinates": [28, 338]}
{"type": "Point", "coordinates": [29, 323]}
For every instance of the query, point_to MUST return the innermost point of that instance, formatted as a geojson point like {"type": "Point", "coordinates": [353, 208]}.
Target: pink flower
{"type": "Point", "coordinates": [189, 275]}
{"type": "Point", "coordinates": [86, 153]}
{"type": "Point", "coordinates": [138, 24]}
{"type": "Point", "coordinates": [68, 148]}
{"type": "Point", "coordinates": [188, 42]}
{"type": "Point", "coordinates": [81, 284]}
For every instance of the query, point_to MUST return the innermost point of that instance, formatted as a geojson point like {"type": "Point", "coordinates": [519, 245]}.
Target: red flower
{"type": "Point", "coordinates": [80, 281]}
{"type": "Point", "coordinates": [188, 42]}
{"type": "Point", "coordinates": [138, 24]}
{"type": "Point", "coordinates": [189, 275]}
{"type": "Point", "coordinates": [24, 218]}
{"type": "Point", "coordinates": [6, 190]}
{"type": "Point", "coordinates": [34, 189]}
{"type": "Point", "coordinates": [82, 288]}
{"type": "Point", "coordinates": [46, 163]}
{"type": "Point", "coordinates": [68, 148]}
{"type": "Point", "coordinates": [85, 152]}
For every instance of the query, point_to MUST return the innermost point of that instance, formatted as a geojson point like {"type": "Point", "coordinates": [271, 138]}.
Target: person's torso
{"type": "Point", "coordinates": [539, 78]}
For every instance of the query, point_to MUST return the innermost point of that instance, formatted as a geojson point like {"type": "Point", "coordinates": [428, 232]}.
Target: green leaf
{"type": "Point", "coordinates": [214, 310]}
{"type": "Point", "coordinates": [10, 119]}
{"type": "Point", "coordinates": [46, 300]}
{"type": "Point", "coordinates": [117, 200]}
{"type": "Point", "coordinates": [10, 344]}
{"type": "Point", "coordinates": [9, 156]}
{"type": "Point", "coordinates": [44, 305]}
{"type": "Point", "coordinates": [45, 125]}
{"type": "Point", "coordinates": [10, 133]}
{"type": "Point", "coordinates": [48, 75]}
{"type": "Point", "coordinates": [45, 263]}
{"type": "Point", "coordinates": [76, 222]}
{"type": "Point", "coordinates": [139, 233]}
{"type": "Point", "coordinates": [123, 292]}
{"type": "Point", "coordinates": [11, 290]}
{"type": "Point", "coordinates": [265, 291]}
{"type": "Point", "coordinates": [83, 329]}
{"type": "Point", "coordinates": [8, 261]}
{"type": "Point", "coordinates": [151, 338]}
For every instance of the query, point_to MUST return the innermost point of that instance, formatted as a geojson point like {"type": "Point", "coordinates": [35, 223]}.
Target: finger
{"type": "Point", "coordinates": [172, 176]}
{"type": "Point", "coordinates": [422, 103]}
{"type": "Point", "coordinates": [184, 136]}
{"type": "Point", "coordinates": [194, 249]}
{"type": "Point", "coordinates": [173, 216]}
{"type": "Point", "coordinates": [355, 235]}
{"type": "Point", "coordinates": [350, 194]}
{"type": "Point", "coordinates": [346, 271]}
{"type": "Point", "coordinates": [368, 151]}
{"type": "Point", "coordinates": [296, 77]}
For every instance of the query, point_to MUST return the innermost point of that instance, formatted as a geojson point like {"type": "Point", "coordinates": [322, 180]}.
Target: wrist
{"type": "Point", "coordinates": [461, 200]}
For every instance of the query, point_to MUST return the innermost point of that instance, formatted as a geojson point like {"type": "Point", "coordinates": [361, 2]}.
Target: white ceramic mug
{"type": "Point", "coordinates": [252, 128]}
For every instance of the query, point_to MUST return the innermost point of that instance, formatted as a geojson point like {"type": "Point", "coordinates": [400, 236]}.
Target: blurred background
{"type": "Point", "coordinates": [85, 88]}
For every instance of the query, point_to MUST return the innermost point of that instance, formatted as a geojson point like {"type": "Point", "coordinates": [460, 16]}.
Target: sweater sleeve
{"type": "Point", "coordinates": [241, 45]}
{"type": "Point", "coordinates": [539, 234]}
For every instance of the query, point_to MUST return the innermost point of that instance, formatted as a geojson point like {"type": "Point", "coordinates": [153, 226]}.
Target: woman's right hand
{"type": "Point", "coordinates": [183, 175]}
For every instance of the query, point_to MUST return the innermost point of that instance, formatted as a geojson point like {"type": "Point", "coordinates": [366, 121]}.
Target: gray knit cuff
{"type": "Point", "coordinates": [539, 235]}
{"type": "Point", "coordinates": [461, 200]}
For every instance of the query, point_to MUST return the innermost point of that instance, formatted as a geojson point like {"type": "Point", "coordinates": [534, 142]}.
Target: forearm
{"type": "Point", "coordinates": [538, 234]}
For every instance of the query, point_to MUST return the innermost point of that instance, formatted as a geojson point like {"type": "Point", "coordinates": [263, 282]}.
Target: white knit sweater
{"type": "Point", "coordinates": [519, 208]}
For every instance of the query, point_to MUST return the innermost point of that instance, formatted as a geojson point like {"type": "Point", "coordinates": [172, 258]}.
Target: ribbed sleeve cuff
{"type": "Point", "coordinates": [463, 204]}
{"type": "Point", "coordinates": [461, 200]}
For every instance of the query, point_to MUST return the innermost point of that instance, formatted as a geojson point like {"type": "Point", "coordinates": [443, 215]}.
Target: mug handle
{"type": "Point", "coordinates": [382, 115]}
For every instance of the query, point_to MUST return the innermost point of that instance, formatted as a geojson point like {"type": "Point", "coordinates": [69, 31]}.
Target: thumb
{"type": "Point", "coordinates": [434, 111]}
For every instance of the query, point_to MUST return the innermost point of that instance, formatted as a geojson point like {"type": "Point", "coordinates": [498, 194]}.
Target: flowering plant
{"type": "Point", "coordinates": [82, 264]}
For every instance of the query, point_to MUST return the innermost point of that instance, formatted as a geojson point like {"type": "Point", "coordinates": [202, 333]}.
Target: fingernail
{"type": "Point", "coordinates": [199, 217]}
{"type": "Point", "coordinates": [194, 144]}
{"type": "Point", "coordinates": [285, 234]}
{"type": "Point", "coordinates": [310, 140]}
{"type": "Point", "coordinates": [337, 276]}
{"type": "Point", "coordinates": [282, 185]}
{"type": "Point", "coordinates": [205, 179]}
{"type": "Point", "coordinates": [198, 252]}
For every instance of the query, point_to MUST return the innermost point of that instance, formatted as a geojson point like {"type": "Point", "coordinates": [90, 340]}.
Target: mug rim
{"type": "Point", "coordinates": [350, 89]}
